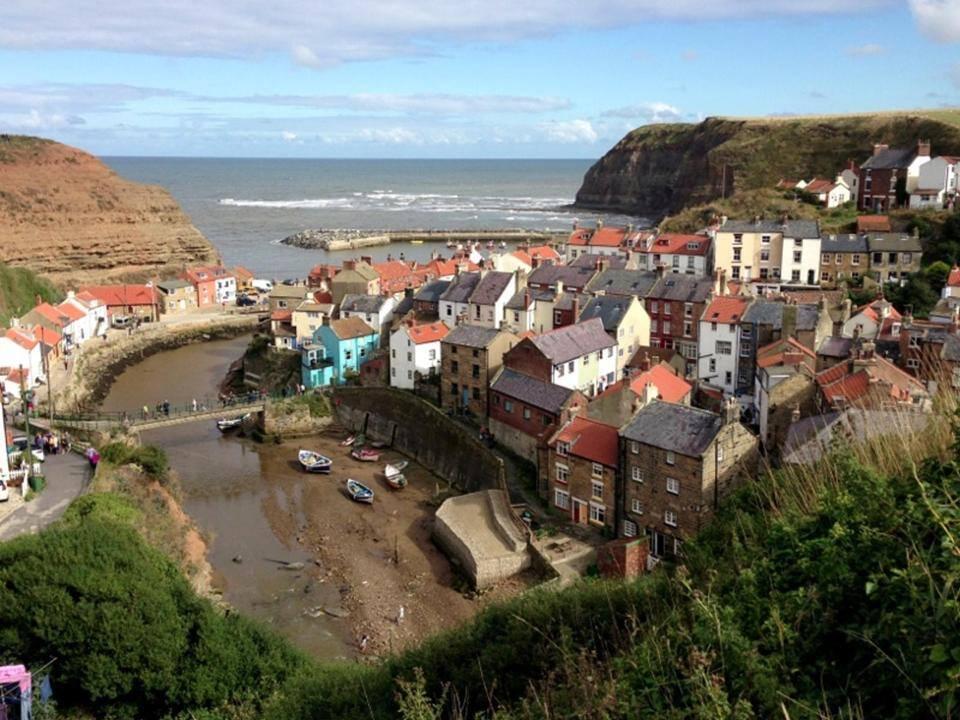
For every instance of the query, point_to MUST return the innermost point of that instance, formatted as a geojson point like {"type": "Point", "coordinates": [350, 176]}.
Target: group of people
{"type": "Point", "coordinates": [161, 408]}
{"type": "Point", "coordinates": [51, 443]}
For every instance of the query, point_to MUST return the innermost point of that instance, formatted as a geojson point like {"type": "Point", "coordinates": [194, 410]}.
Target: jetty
{"type": "Point", "coordinates": [353, 239]}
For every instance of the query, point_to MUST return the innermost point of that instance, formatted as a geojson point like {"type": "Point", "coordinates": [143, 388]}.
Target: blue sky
{"type": "Point", "coordinates": [474, 78]}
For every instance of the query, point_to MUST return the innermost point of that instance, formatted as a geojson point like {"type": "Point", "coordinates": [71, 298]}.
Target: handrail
{"type": "Point", "coordinates": [163, 410]}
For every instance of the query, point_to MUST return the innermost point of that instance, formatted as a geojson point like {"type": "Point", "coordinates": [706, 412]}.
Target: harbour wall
{"type": "Point", "coordinates": [348, 239]}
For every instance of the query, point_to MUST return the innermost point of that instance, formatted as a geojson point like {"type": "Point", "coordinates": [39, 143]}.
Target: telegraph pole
{"type": "Point", "coordinates": [26, 419]}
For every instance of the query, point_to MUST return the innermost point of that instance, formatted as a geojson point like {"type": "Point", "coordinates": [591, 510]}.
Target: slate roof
{"type": "Point", "coordinates": [680, 428]}
{"type": "Point", "coordinates": [461, 287]}
{"type": "Point", "coordinates": [548, 274]}
{"type": "Point", "coordinates": [475, 336]}
{"type": "Point", "coordinates": [532, 391]}
{"type": "Point", "coordinates": [588, 260]}
{"type": "Point", "coordinates": [835, 347]}
{"type": "Point", "coordinates": [573, 341]}
{"type": "Point", "coordinates": [609, 308]}
{"type": "Point", "coordinates": [624, 282]}
{"type": "Point", "coordinates": [431, 291]}
{"type": "Point", "coordinates": [766, 312]}
{"type": "Point", "coordinates": [844, 243]}
{"type": "Point", "coordinates": [791, 228]}
{"type": "Point", "coordinates": [890, 159]}
{"type": "Point", "coordinates": [170, 285]}
{"type": "Point", "coordinates": [681, 288]}
{"type": "Point", "coordinates": [809, 439]}
{"type": "Point", "coordinates": [349, 328]}
{"type": "Point", "coordinates": [518, 302]}
{"type": "Point", "coordinates": [362, 303]}
{"type": "Point", "coordinates": [491, 287]}
{"type": "Point", "coordinates": [565, 301]}
{"type": "Point", "coordinates": [893, 242]}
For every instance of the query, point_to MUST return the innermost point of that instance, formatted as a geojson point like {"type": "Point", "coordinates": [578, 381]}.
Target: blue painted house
{"type": "Point", "coordinates": [338, 348]}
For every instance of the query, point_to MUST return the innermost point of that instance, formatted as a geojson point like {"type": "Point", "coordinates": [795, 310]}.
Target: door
{"type": "Point", "coordinates": [810, 277]}
{"type": "Point", "coordinates": [658, 544]}
{"type": "Point", "coordinates": [579, 511]}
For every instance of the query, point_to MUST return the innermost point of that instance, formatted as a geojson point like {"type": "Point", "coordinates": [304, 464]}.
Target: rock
{"type": "Point", "coordinates": [293, 566]}
{"type": "Point", "coordinates": [336, 611]}
{"type": "Point", "coordinates": [238, 559]}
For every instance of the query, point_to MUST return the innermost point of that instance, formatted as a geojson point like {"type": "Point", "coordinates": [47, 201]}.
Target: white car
{"type": "Point", "coordinates": [4, 492]}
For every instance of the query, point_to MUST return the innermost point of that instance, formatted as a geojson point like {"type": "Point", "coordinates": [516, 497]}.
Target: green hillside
{"type": "Point", "coordinates": [19, 288]}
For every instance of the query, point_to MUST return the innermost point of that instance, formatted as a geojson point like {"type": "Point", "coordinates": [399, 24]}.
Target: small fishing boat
{"type": "Point", "coordinates": [396, 468]}
{"type": "Point", "coordinates": [349, 441]}
{"type": "Point", "coordinates": [314, 462]}
{"type": "Point", "coordinates": [378, 444]}
{"type": "Point", "coordinates": [365, 455]}
{"type": "Point", "coordinates": [416, 242]}
{"type": "Point", "coordinates": [397, 482]}
{"type": "Point", "coordinates": [225, 425]}
{"type": "Point", "coordinates": [359, 492]}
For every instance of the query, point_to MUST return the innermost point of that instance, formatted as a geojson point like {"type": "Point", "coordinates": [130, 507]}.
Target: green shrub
{"type": "Point", "coordinates": [152, 459]}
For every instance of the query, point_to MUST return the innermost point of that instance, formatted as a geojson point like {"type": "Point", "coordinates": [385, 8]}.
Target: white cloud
{"type": "Point", "coordinates": [866, 50]}
{"type": "Point", "coordinates": [418, 103]}
{"type": "Point", "coordinates": [938, 19]}
{"type": "Point", "coordinates": [654, 112]}
{"type": "Point", "coordinates": [288, 136]}
{"type": "Point", "coordinates": [346, 30]}
{"type": "Point", "coordinates": [569, 131]}
{"type": "Point", "coordinates": [37, 120]}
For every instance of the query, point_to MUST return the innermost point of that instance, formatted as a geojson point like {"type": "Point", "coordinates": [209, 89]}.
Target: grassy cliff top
{"type": "Point", "coordinates": [19, 288]}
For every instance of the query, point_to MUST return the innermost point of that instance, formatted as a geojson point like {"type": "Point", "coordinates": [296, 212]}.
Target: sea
{"type": "Point", "coordinates": [246, 206]}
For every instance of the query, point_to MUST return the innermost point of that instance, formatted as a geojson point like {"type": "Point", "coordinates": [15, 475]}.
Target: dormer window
{"type": "Point", "coordinates": [693, 246]}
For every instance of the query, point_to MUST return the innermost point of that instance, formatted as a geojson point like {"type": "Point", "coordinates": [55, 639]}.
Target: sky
{"type": "Point", "coordinates": [462, 79]}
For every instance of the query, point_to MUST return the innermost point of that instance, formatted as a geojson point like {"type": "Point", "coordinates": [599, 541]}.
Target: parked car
{"type": "Point", "coordinates": [4, 492]}
{"type": "Point", "coordinates": [121, 321]}
{"type": "Point", "coordinates": [245, 301]}
{"type": "Point", "coordinates": [262, 285]}
{"type": "Point", "coordinates": [20, 444]}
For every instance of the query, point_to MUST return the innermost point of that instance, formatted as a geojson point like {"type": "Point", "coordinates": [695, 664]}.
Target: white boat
{"type": "Point", "coordinates": [228, 424]}
{"type": "Point", "coordinates": [359, 492]}
{"type": "Point", "coordinates": [396, 468]}
{"type": "Point", "coordinates": [397, 482]}
{"type": "Point", "coordinates": [314, 462]}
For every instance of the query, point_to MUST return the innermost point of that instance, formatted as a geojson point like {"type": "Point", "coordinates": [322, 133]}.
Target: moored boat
{"type": "Point", "coordinates": [397, 482]}
{"type": "Point", "coordinates": [349, 441]}
{"type": "Point", "coordinates": [396, 468]}
{"type": "Point", "coordinates": [225, 425]}
{"type": "Point", "coordinates": [365, 455]}
{"type": "Point", "coordinates": [359, 492]}
{"type": "Point", "coordinates": [314, 462]}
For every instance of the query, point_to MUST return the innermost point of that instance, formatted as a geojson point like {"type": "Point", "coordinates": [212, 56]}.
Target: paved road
{"type": "Point", "coordinates": [67, 476]}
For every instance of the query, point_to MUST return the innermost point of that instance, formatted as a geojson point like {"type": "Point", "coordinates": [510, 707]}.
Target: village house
{"type": "Point", "coordinates": [719, 343]}
{"type": "Point", "coordinates": [931, 352]}
{"type": "Point", "coordinates": [565, 308]}
{"type": "Point", "coordinates": [870, 322]}
{"type": "Point", "coordinates": [525, 411]}
{"type": "Point", "coordinates": [894, 256]}
{"type": "Point", "coordinates": [244, 279]}
{"type": "Point", "coordinates": [524, 260]}
{"type": "Point", "coordinates": [678, 464]}
{"type": "Point", "coordinates": [455, 300]}
{"type": "Point", "coordinates": [620, 402]}
{"type": "Point", "coordinates": [675, 304]}
{"type": "Point", "coordinates": [485, 306]}
{"type": "Point", "coordinates": [51, 343]}
{"type": "Point", "coordinates": [93, 322]}
{"type": "Point", "coordinates": [347, 344]}
{"type": "Point", "coordinates": [282, 332]}
{"type": "Point", "coordinates": [307, 317]}
{"type": "Point", "coordinates": [426, 301]}
{"type": "Point", "coordinates": [320, 276]}
{"type": "Point", "coordinates": [630, 283]}
{"type": "Point", "coordinates": [936, 184]}
{"type": "Point", "coordinates": [398, 276]}
{"type": "Point", "coordinates": [871, 382]}
{"type": "Point", "coordinates": [21, 348]}
{"type": "Point", "coordinates": [830, 193]}
{"type": "Point", "coordinates": [470, 356]}
{"type": "Point", "coordinates": [288, 297]}
{"type": "Point", "coordinates": [355, 278]}
{"type": "Point", "coordinates": [375, 310]}
{"type": "Point", "coordinates": [520, 314]}
{"type": "Point", "coordinates": [580, 357]}
{"type": "Point", "coordinates": [176, 296]}
{"type": "Point", "coordinates": [136, 301]}
{"type": "Point", "coordinates": [784, 383]}
{"type": "Point", "coordinates": [549, 276]}
{"type": "Point", "coordinates": [769, 251]}
{"type": "Point", "coordinates": [843, 257]}
{"type": "Point", "coordinates": [215, 285]}
{"type": "Point", "coordinates": [604, 240]}
{"type": "Point", "coordinates": [582, 471]}
{"type": "Point", "coordinates": [52, 319]}
{"type": "Point", "coordinates": [678, 253]}
{"type": "Point", "coordinates": [889, 175]}
{"type": "Point", "coordinates": [625, 320]}
{"type": "Point", "coordinates": [415, 350]}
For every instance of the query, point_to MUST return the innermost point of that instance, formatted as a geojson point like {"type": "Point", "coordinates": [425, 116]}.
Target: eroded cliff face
{"type": "Point", "coordinates": [657, 170]}
{"type": "Point", "coordinates": [67, 216]}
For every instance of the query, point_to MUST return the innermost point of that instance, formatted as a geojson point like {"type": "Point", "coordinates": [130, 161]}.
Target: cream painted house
{"type": "Point", "coordinates": [625, 319]}
{"type": "Point", "coordinates": [754, 250]}
{"type": "Point", "coordinates": [307, 317]}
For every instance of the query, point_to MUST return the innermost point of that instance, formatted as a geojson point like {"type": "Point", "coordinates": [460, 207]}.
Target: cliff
{"type": "Point", "coordinates": [67, 216]}
{"type": "Point", "coordinates": [661, 169]}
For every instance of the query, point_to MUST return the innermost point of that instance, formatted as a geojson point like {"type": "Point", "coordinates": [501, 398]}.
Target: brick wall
{"type": "Point", "coordinates": [623, 558]}
{"type": "Point", "coordinates": [579, 485]}
{"type": "Point", "coordinates": [527, 359]}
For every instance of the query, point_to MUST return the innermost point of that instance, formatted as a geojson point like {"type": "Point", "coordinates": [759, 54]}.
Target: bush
{"type": "Point", "coordinates": [152, 459]}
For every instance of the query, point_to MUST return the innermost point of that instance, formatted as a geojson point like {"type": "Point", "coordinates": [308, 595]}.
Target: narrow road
{"type": "Point", "coordinates": [67, 476]}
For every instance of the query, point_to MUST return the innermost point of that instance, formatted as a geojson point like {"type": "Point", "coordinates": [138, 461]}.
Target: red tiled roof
{"type": "Point", "coordinates": [873, 223]}
{"type": "Point", "coordinates": [46, 336]}
{"type": "Point", "coordinates": [591, 440]}
{"type": "Point", "coordinates": [783, 352]}
{"type": "Point", "coordinates": [281, 315]}
{"type": "Point", "coordinates": [434, 332]}
{"type": "Point", "coordinates": [52, 314]}
{"type": "Point", "coordinates": [676, 244]}
{"type": "Point", "coordinates": [953, 279]}
{"type": "Point", "coordinates": [241, 273]}
{"type": "Point", "coordinates": [88, 298]}
{"type": "Point", "coordinates": [442, 268]}
{"type": "Point", "coordinates": [543, 252]}
{"type": "Point", "coordinates": [205, 273]}
{"type": "Point", "coordinates": [818, 186]}
{"type": "Point", "coordinates": [851, 382]}
{"type": "Point", "coordinates": [123, 294]}
{"type": "Point", "coordinates": [669, 386]}
{"type": "Point", "coordinates": [725, 309]}
{"type": "Point", "coordinates": [580, 236]}
{"type": "Point", "coordinates": [608, 237]}
{"type": "Point", "coordinates": [323, 297]}
{"type": "Point", "coordinates": [20, 376]}
{"type": "Point", "coordinates": [22, 338]}
{"type": "Point", "coordinates": [71, 311]}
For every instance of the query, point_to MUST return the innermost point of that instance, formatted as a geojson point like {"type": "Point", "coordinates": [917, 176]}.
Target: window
{"type": "Point", "coordinates": [670, 518]}
{"type": "Point", "coordinates": [688, 309]}
{"type": "Point", "coordinates": [635, 447]}
{"type": "Point", "coordinates": [393, 354]}
{"type": "Point", "coordinates": [476, 371]}
{"type": "Point", "coordinates": [746, 331]}
{"type": "Point", "coordinates": [557, 317]}
{"type": "Point", "coordinates": [476, 353]}
{"type": "Point", "coordinates": [797, 256]}
{"type": "Point", "coordinates": [654, 327]}
{"type": "Point", "coordinates": [562, 472]}
{"type": "Point", "coordinates": [727, 377]}
{"type": "Point", "coordinates": [526, 413]}
{"type": "Point", "coordinates": [763, 273]}
{"type": "Point", "coordinates": [654, 307]}
{"type": "Point", "coordinates": [764, 256]}
{"type": "Point", "coordinates": [764, 239]}
{"type": "Point", "coordinates": [892, 258]}
{"type": "Point", "coordinates": [432, 355]}
{"type": "Point", "coordinates": [636, 506]}
{"type": "Point", "coordinates": [825, 258]}
{"type": "Point", "coordinates": [393, 371]}
{"type": "Point", "coordinates": [795, 276]}
{"type": "Point", "coordinates": [598, 513]}
{"type": "Point", "coordinates": [719, 453]}
{"type": "Point", "coordinates": [736, 255]}
{"type": "Point", "coordinates": [671, 458]}
{"type": "Point", "coordinates": [508, 406]}
{"type": "Point", "coordinates": [476, 393]}
{"type": "Point", "coordinates": [637, 474]}
{"type": "Point", "coordinates": [496, 400]}
{"type": "Point", "coordinates": [798, 242]}
{"type": "Point", "coordinates": [914, 342]}
{"type": "Point", "coordinates": [545, 419]}
{"type": "Point", "coordinates": [476, 312]}
{"type": "Point", "coordinates": [906, 258]}
{"type": "Point", "coordinates": [825, 276]}
{"type": "Point", "coordinates": [571, 365]}
{"type": "Point", "coordinates": [690, 263]}
{"type": "Point", "coordinates": [453, 349]}
{"type": "Point", "coordinates": [775, 272]}
{"type": "Point", "coordinates": [562, 448]}
{"type": "Point", "coordinates": [348, 354]}
{"type": "Point", "coordinates": [745, 348]}
{"type": "Point", "coordinates": [596, 470]}
{"type": "Point", "coordinates": [913, 363]}
{"type": "Point", "coordinates": [878, 258]}
{"type": "Point", "coordinates": [629, 528]}
{"type": "Point", "coordinates": [596, 490]}
{"type": "Point", "coordinates": [713, 326]}
{"type": "Point", "coordinates": [724, 347]}
{"type": "Point", "coordinates": [516, 316]}
{"type": "Point", "coordinates": [409, 356]}
{"type": "Point", "coordinates": [687, 329]}
{"type": "Point", "coordinates": [735, 273]}
{"type": "Point", "coordinates": [737, 238]}
{"type": "Point", "coordinates": [676, 261]}
{"type": "Point", "coordinates": [559, 369]}
{"type": "Point", "coordinates": [673, 486]}
{"type": "Point", "coordinates": [454, 366]}
{"type": "Point", "coordinates": [450, 312]}
{"type": "Point", "coordinates": [454, 389]}
{"type": "Point", "coordinates": [855, 259]}
{"type": "Point", "coordinates": [561, 499]}
{"type": "Point", "coordinates": [409, 374]}
{"type": "Point", "coordinates": [666, 308]}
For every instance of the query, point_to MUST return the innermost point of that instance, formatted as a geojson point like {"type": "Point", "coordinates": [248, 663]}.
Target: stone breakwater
{"type": "Point", "coordinates": [99, 362]}
{"type": "Point", "coordinates": [349, 239]}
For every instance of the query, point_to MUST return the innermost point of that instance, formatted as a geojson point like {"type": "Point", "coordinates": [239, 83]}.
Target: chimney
{"type": "Point", "coordinates": [923, 148]}
{"type": "Point", "coordinates": [650, 393]}
{"type": "Point", "coordinates": [349, 264]}
{"type": "Point", "coordinates": [756, 219]}
{"type": "Point", "coordinates": [731, 411]}
{"type": "Point", "coordinates": [661, 270]}
{"type": "Point", "coordinates": [559, 288]}
{"type": "Point", "coordinates": [526, 298]}
{"type": "Point", "coordinates": [576, 307]}
{"type": "Point", "coordinates": [879, 148]}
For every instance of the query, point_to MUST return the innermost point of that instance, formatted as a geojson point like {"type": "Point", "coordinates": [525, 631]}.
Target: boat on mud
{"type": "Point", "coordinates": [397, 482]}
{"type": "Point", "coordinates": [359, 492]}
{"type": "Point", "coordinates": [396, 468]}
{"type": "Point", "coordinates": [226, 425]}
{"type": "Point", "coordinates": [314, 462]}
{"type": "Point", "coordinates": [365, 455]}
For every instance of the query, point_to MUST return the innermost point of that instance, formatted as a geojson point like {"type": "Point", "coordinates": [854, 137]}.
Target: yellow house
{"type": "Point", "coordinates": [307, 317]}
{"type": "Point", "coordinates": [625, 320]}
{"type": "Point", "coordinates": [768, 250]}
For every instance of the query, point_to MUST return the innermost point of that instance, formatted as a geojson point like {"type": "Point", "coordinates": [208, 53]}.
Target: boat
{"type": "Point", "coordinates": [416, 242]}
{"type": "Point", "coordinates": [365, 455]}
{"type": "Point", "coordinates": [397, 482]}
{"type": "Point", "coordinates": [314, 462]}
{"type": "Point", "coordinates": [227, 424]}
{"type": "Point", "coordinates": [359, 492]}
{"type": "Point", "coordinates": [349, 441]}
{"type": "Point", "coordinates": [396, 468]}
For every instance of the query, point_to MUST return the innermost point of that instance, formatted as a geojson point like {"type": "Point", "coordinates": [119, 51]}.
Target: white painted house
{"type": "Point", "coordinates": [489, 297]}
{"type": "Point", "coordinates": [800, 260]}
{"type": "Point", "coordinates": [21, 348]}
{"type": "Point", "coordinates": [95, 322]}
{"type": "Point", "coordinates": [455, 300]}
{"type": "Point", "coordinates": [415, 349]}
{"type": "Point", "coordinates": [718, 347]}
{"type": "Point", "coordinates": [375, 310]}
{"type": "Point", "coordinates": [936, 185]}
{"type": "Point", "coordinates": [582, 357]}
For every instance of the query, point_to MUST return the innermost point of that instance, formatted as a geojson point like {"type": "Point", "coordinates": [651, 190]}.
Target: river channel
{"type": "Point", "coordinates": [241, 495]}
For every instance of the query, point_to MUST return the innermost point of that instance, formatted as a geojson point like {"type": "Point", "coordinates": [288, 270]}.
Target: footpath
{"type": "Point", "coordinates": [67, 477]}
